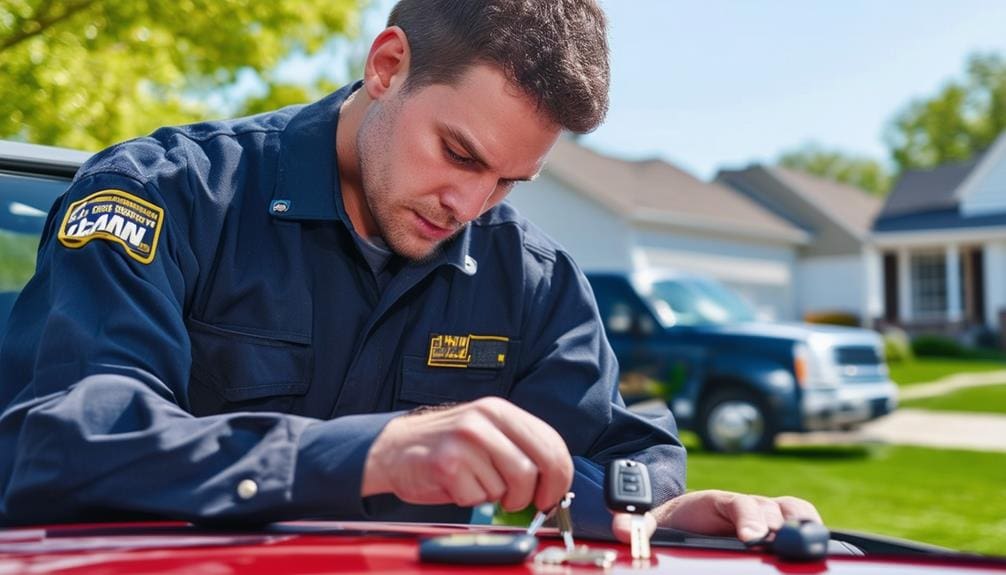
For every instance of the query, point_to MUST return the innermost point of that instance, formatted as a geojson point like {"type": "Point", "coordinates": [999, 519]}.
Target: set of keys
{"type": "Point", "coordinates": [627, 490]}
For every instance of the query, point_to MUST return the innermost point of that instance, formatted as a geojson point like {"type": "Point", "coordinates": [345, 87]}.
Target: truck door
{"type": "Point", "coordinates": [653, 361]}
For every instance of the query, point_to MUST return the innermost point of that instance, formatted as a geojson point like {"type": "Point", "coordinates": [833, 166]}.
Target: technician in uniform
{"type": "Point", "coordinates": [327, 310]}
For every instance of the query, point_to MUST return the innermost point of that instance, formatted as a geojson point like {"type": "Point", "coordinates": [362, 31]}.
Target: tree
{"type": "Point", "coordinates": [86, 73]}
{"type": "Point", "coordinates": [963, 119]}
{"type": "Point", "coordinates": [861, 172]}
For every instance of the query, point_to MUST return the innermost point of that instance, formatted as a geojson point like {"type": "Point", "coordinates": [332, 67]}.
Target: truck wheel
{"type": "Point", "coordinates": [735, 421]}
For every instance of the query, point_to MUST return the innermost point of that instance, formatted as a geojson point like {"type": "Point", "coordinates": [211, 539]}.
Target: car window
{"type": "Point", "coordinates": [698, 302]}
{"type": "Point", "coordinates": [24, 203]}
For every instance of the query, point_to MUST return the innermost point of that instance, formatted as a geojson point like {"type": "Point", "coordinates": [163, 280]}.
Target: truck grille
{"type": "Point", "coordinates": [858, 355]}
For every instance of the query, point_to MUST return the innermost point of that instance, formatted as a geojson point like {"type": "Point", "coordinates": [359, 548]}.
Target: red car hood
{"type": "Point", "coordinates": [373, 547]}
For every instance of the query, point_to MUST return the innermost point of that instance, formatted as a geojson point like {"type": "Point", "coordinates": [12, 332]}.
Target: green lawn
{"type": "Point", "coordinates": [986, 399]}
{"type": "Point", "coordinates": [927, 369]}
{"type": "Point", "coordinates": [944, 497]}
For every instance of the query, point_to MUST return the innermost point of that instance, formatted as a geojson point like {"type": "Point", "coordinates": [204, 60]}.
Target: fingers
{"type": "Point", "coordinates": [509, 475]}
{"type": "Point", "coordinates": [466, 474]}
{"type": "Point", "coordinates": [539, 443]}
{"type": "Point", "coordinates": [749, 517]}
{"type": "Point", "coordinates": [487, 450]}
{"type": "Point", "coordinates": [621, 526]}
{"type": "Point", "coordinates": [796, 508]}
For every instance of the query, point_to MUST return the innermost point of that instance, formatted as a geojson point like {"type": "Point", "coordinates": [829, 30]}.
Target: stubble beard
{"type": "Point", "coordinates": [391, 219]}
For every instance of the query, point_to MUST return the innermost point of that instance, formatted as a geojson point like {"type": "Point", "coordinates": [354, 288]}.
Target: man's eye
{"type": "Point", "coordinates": [457, 158]}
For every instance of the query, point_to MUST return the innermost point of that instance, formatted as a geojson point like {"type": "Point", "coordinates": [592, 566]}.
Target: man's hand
{"type": "Point", "coordinates": [722, 513]}
{"type": "Point", "coordinates": [486, 450]}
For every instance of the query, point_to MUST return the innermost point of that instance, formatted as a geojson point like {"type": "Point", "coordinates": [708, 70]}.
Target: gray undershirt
{"type": "Point", "coordinates": [379, 258]}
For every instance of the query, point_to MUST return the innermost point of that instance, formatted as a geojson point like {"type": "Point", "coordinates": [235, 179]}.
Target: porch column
{"type": "Point", "coordinates": [904, 286]}
{"type": "Point", "coordinates": [995, 288]}
{"type": "Point", "coordinates": [872, 306]}
{"type": "Point", "coordinates": [953, 270]}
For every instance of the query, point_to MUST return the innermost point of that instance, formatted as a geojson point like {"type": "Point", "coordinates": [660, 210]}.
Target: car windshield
{"type": "Point", "coordinates": [697, 301]}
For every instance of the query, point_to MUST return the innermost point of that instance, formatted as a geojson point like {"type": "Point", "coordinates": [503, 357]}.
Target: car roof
{"type": "Point", "coordinates": [379, 547]}
{"type": "Point", "coordinates": [47, 160]}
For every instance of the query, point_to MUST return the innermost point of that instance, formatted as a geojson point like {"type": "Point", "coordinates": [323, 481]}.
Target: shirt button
{"type": "Point", "coordinates": [247, 489]}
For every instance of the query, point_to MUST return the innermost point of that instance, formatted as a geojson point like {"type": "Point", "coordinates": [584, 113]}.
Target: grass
{"type": "Point", "coordinates": [927, 369]}
{"type": "Point", "coordinates": [985, 399]}
{"type": "Point", "coordinates": [943, 497]}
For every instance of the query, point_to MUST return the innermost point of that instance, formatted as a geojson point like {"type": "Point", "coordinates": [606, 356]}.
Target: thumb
{"type": "Point", "coordinates": [621, 526]}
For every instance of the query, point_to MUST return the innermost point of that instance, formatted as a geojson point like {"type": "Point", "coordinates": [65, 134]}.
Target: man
{"type": "Point", "coordinates": [327, 311]}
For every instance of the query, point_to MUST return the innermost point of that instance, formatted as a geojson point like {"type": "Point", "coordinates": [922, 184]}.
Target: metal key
{"type": "Point", "coordinates": [539, 519]}
{"type": "Point", "coordinates": [564, 521]}
{"type": "Point", "coordinates": [582, 555]}
{"type": "Point", "coordinates": [627, 489]}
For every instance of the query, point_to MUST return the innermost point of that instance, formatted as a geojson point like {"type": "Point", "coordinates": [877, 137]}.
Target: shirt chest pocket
{"type": "Point", "coordinates": [241, 369]}
{"type": "Point", "coordinates": [422, 384]}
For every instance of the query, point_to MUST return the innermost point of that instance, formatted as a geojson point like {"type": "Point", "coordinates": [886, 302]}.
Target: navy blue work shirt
{"type": "Point", "coordinates": [203, 340]}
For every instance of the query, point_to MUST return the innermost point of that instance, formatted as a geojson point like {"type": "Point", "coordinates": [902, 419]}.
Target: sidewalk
{"type": "Point", "coordinates": [943, 429]}
{"type": "Point", "coordinates": [951, 383]}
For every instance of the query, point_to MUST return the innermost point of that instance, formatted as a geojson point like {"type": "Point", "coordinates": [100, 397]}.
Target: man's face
{"type": "Point", "coordinates": [433, 159]}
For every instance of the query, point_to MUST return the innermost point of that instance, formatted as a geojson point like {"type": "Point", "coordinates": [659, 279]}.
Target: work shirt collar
{"type": "Point", "coordinates": [308, 166]}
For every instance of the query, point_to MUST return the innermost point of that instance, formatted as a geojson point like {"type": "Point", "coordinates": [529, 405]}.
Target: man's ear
{"type": "Point", "coordinates": [387, 63]}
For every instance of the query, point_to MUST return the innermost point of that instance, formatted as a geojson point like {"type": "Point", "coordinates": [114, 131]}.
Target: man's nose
{"type": "Point", "coordinates": [467, 199]}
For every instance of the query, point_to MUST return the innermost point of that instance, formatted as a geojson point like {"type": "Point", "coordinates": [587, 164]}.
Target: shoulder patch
{"type": "Point", "coordinates": [115, 216]}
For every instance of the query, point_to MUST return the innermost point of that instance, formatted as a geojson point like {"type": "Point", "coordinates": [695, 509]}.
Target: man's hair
{"type": "Point", "coordinates": [555, 51]}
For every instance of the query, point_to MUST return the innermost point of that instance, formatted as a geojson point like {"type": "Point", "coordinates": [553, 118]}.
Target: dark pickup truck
{"type": "Point", "coordinates": [736, 381]}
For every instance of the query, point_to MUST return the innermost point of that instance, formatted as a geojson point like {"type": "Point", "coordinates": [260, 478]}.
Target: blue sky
{"type": "Point", "coordinates": [722, 83]}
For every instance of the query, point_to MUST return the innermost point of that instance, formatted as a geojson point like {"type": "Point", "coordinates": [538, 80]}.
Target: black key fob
{"type": "Point", "coordinates": [478, 548]}
{"type": "Point", "coordinates": [627, 487]}
{"type": "Point", "coordinates": [801, 541]}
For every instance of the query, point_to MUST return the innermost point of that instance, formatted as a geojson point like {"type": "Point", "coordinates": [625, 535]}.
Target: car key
{"type": "Point", "coordinates": [627, 490]}
{"type": "Point", "coordinates": [564, 521]}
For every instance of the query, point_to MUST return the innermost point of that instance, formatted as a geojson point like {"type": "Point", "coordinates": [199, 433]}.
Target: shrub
{"type": "Point", "coordinates": [897, 347]}
{"type": "Point", "coordinates": [937, 346]}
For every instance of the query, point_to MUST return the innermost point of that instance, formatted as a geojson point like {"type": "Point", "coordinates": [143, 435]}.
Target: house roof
{"type": "Point", "coordinates": [847, 206]}
{"type": "Point", "coordinates": [655, 191]}
{"type": "Point", "coordinates": [934, 189]}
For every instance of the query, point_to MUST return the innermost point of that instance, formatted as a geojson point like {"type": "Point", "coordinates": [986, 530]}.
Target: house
{"type": "Point", "coordinates": [613, 214]}
{"type": "Point", "coordinates": [941, 237]}
{"type": "Point", "coordinates": [836, 271]}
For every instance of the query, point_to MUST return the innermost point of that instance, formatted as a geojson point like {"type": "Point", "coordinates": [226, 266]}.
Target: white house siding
{"type": "Point", "coordinates": [596, 238]}
{"type": "Point", "coordinates": [985, 189]}
{"type": "Point", "coordinates": [762, 273]}
{"type": "Point", "coordinates": [831, 283]}
{"type": "Point", "coordinates": [995, 281]}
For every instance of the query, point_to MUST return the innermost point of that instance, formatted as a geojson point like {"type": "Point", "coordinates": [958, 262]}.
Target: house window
{"type": "Point", "coordinates": [929, 285]}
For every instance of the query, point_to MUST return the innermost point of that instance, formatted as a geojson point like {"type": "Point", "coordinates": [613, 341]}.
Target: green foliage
{"type": "Point", "coordinates": [944, 497]}
{"type": "Point", "coordinates": [963, 119]}
{"type": "Point", "coordinates": [86, 73]}
{"type": "Point", "coordinates": [937, 346]}
{"type": "Point", "coordinates": [897, 347]}
{"type": "Point", "coordinates": [18, 261]}
{"type": "Point", "coordinates": [983, 399]}
{"type": "Point", "coordinates": [861, 172]}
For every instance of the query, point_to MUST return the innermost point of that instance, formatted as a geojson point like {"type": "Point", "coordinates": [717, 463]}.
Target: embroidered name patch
{"type": "Point", "coordinates": [478, 351]}
{"type": "Point", "coordinates": [118, 217]}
